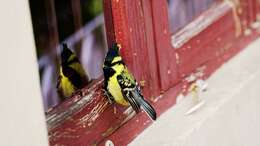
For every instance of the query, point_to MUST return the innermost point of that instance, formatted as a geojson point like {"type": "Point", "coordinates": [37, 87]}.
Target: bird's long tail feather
{"type": "Point", "coordinates": [144, 104]}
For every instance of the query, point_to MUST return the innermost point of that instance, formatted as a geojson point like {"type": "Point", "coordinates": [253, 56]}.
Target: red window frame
{"type": "Point", "coordinates": [141, 26]}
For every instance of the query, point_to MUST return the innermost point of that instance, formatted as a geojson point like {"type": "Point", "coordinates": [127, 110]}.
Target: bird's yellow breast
{"type": "Point", "coordinates": [114, 87]}
{"type": "Point", "coordinates": [65, 85]}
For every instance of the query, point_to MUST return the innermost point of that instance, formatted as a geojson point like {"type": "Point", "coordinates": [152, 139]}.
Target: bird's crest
{"type": "Point", "coordinates": [65, 53]}
{"type": "Point", "coordinates": [113, 55]}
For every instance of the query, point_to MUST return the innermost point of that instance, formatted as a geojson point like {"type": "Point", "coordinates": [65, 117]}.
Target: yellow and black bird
{"type": "Point", "coordinates": [121, 86]}
{"type": "Point", "coordinates": [71, 74]}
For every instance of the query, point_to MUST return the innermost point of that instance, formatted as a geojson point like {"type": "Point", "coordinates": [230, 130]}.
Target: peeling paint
{"type": "Point", "coordinates": [235, 4]}
{"type": "Point", "coordinates": [109, 143]}
{"type": "Point", "coordinates": [157, 98]}
{"type": "Point", "coordinates": [179, 98]}
{"type": "Point", "coordinates": [247, 32]}
{"type": "Point", "coordinates": [131, 30]}
{"type": "Point", "coordinates": [255, 25]}
{"type": "Point", "coordinates": [142, 83]}
{"type": "Point", "coordinates": [110, 130]}
{"type": "Point", "coordinates": [90, 118]}
{"type": "Point", "coordinates": [165, 31]}
{"type": "Point", "coordinates": [219, 39]}
{"type": "Point", "coordinates": [56, 118]}
{"type": "Point", "coordinates": [177, 58]}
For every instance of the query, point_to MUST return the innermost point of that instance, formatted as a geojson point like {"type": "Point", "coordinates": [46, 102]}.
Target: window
{"type": "Point", "coordinates": [142, 27]}
{"type": "Point", "coordinates": [181, 12]}
{"type": "Point", "coordinates": [79, 23]}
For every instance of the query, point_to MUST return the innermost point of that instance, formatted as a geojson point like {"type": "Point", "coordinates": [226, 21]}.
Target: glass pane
{"type": "Point", "coordinates": [181, 12]}
{"type": "Point", "coordinates": [79, 24]}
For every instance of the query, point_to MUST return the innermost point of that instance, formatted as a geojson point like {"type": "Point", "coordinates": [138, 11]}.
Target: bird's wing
{"type": "Point", "coordinates": [74, 77]}
{"type": "Point", "coordinates": [148, 108]}
{"type": "Point", "coordinates": [129, 76]}
{"type": "Point", "coordinates": [126, 80]}
{"type": "Point", "coordinates": [127, 84]}
{"type": "Point", "coordinates": [133, 95]}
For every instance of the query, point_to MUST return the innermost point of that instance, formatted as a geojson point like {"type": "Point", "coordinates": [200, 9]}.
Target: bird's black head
{"type": "Point", "coordinates": [65, 54]}
{"type": "Point", "coordinates": [112, 54]}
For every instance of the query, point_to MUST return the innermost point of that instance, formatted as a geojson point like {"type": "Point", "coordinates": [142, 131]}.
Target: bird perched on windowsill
{"type": "Point", "coordinates": [71, 74]}
{"type": "Point", "coordinates": [121, 86]}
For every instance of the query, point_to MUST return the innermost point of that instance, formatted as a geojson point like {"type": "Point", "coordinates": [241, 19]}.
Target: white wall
{"type": "Point", "coordinates": [22, 121]}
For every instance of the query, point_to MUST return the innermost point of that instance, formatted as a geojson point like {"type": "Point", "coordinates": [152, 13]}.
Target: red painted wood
{"type": "Point", "coordinates": [244, 14]}
{"type": "Point", "coordinates": [251, 12]}
{"type": "Point", "coordinates": [154, 82]}
{"type": "Point", "coordinates": [165, 53]}
{"type": "Point", "coordinates": [88, 119]}
{"type": "Point", "coordinates": [132, 129]}
{"type": "Point", "coordinates": [93, 120]}
{"type": "Point", "coordinates": [135, 34]}
{"type": "Point", "coordinates": [257, 5]}
{"type": "Point", "coordinates": [137, 40]}
{"type": "Point", "coordinates": [237, 47]}
{"type": "Point", "coordinates": [206, 44]}
{"type": "Point", "coordinates": [108, 16]}
{"type": "Point", "coordinates": [255, 9]}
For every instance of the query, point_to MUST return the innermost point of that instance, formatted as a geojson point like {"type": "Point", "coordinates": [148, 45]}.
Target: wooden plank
{"type": "Point", "coordinates": [257, 3]}
{"type": "Point", "coordinates": [108, 16]}
{"type": "Point", "coordinates": [86, 118]}
{"type": "Point", "coordinates": [154, 82]}
{"type": "Point", "coordinates": [165, 54]}
{"type": "Point", "coordinates": [131, 29]}
{"type": "Point", "coordinates": [135, 126]}
{"type": "Point", "coordinates": [251, 13]}
{"type": "Point", "coordinates": [244, 14]}
{"type": "Point", "coordinates": [137, 42]}
{"type": "Point", "coordinates": [200, 49]}
{"type": "Point", "coordinates": [145, 68]}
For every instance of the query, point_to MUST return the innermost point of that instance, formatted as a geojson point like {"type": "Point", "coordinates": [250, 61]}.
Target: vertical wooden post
{"type": "Point", "coordinates": [52, 24]}
{"type": "Point", "coordinates": [167, 68]}
{"type": "Point", "coordinates": [129, 22]}
{"type": "Point", "coordinates": [108, 16]}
